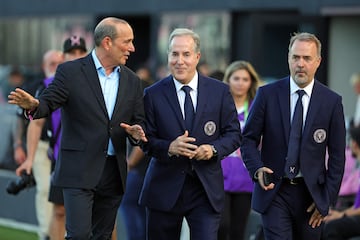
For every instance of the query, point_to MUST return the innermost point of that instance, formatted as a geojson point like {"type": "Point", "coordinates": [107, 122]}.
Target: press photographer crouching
{"type": "Point", "coordinates": [25, 181]}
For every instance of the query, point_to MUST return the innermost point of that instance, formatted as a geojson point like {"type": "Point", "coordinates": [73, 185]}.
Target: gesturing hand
{"type": "Point", "coordinates": [23, 99]}
{"type": "Point", "coordinates": [182, 146]}
{"type": "Point", "coordinates": [135, 131]}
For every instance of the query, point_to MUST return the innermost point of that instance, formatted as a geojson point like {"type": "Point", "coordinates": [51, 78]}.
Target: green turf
{"type": "Point", "coordinates": [15, 234]}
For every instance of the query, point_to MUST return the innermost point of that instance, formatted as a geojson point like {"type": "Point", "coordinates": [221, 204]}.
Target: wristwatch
{"type": "Point", "coordinates": [214, 150]}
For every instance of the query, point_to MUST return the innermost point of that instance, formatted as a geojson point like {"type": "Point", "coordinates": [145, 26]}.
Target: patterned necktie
{"type": "Point", "coordinates": [188, 108]}
{"type": "Point", "coordinates": [292, 161]}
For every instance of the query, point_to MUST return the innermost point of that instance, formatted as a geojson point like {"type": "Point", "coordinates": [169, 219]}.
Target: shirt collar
{"type": "Point", "coordinates": [308, 89]}
{"type": "Point", "coordinates": [98, 65]}
{"type": "Point", "coordinates": [193, 83]}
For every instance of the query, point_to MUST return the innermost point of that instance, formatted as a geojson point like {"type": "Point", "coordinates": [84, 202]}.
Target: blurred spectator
{"type": "Point", "coordinates": [243, 81]}
{"type": "Point", "coordinates": [12, 150]}
{"type": "Point", "coordinates": [37, 159]}
{"type": "Point", "coordinates": [204, 68]}
{"type": "Point", "coordinates": [217, 74]}
{"type": "Point", "coordinates": [144, 73]}
{"type": "Point", "coordinates": [134, 215]}
{"type": "Point", "coordinates": [344, 224]}
{"type": "Point", "coordinates": [355, 82]}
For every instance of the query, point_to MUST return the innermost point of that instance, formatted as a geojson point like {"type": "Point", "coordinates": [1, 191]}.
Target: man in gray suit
{"type": "Point", "coordinates": [96, 93]}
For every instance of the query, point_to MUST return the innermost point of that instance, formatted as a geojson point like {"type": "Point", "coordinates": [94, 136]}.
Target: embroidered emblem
{"type": "Point", "coordinates": [319, 135]}
{"type": "Point", "coordinates": [292, 169]}
{"type": "Point", "coordinates": [210, 128]}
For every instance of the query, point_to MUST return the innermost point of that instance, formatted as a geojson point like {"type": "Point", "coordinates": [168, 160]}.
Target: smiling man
{"type": "Point", "coordinates": [191, 123]}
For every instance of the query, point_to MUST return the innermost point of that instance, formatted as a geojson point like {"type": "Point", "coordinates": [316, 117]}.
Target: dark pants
{"type": "Point", "coordinates": [286, 218]}
{"type": "Point", "coordinates": [192, 204]}
{"type": "Point", "coordinates": [91, 213]}
{"type": "Point", "coordinates": [133, 215]}
{"type": "Point", "coordinates": [235, 215]}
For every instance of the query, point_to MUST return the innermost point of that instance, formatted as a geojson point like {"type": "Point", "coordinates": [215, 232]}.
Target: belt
{"type": "Point", "coordinates": [110, 157]}
{"type": "Point", "coordinates": [294, 181]}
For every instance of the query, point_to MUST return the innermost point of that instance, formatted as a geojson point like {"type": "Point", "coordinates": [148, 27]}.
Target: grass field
{"type": "Point", "coordinates": [15, 234]}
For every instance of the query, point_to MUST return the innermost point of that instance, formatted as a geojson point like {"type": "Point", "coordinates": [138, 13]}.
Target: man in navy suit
{"type": "Point", "coordinates": [96, 93]}
{"type": "Point", "coordinates": [294, 208]}
{"type": "Point", "coordinates": [184, 177]}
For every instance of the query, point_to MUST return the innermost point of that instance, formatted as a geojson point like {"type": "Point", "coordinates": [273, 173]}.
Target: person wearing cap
{"type": "Point", "coordinates": [101, 107]}
{"type": "Point", "coordinates": [345, 224]}
{"type": "Point", "coordinates": [74, 48]}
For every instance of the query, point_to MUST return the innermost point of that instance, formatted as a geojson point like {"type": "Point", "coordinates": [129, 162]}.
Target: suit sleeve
{"type": "Point", "coordinates": [252, 134]}
{"type": "Point", "coordinates": [336, 150]}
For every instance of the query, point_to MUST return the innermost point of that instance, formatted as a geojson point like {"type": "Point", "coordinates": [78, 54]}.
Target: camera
{"type": "Point", "coordinates": [25, 181]}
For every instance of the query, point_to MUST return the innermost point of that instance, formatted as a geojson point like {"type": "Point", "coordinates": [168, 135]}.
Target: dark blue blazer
{"type": "Point", "coordinates": [164, 123]}
{"type": "Point", "coordinates": [269, 122]}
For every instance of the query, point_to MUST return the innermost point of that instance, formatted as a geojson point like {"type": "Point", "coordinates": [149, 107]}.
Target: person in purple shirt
{"type": "Point", "coordinates": [74, 47]}
{"type": "Point", "coordinates": [243, 81]}
{"type": "Point", "coordinates": [345, 224]}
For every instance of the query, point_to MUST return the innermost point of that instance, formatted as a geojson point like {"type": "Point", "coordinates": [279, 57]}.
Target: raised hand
{"type": "Point", "coordinates": [23, 99]}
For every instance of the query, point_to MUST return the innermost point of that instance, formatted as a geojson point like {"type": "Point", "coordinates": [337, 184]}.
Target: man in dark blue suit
{"type": "Point", "coordinates": [293, 207]}
{"type": "Point", "coordinates": [184, 177]}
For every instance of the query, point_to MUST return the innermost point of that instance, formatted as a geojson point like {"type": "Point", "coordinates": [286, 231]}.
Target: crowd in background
{"type": "Point", "coordinates": [13, 145]}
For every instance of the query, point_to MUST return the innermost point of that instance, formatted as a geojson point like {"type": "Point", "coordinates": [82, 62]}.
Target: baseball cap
{"type": "Point", "coordinates": [74, 42]}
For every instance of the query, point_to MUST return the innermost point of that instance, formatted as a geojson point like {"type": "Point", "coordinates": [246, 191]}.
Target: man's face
{"type": "Point", "coordinates": [303, 62]}
{"type": "Point", "coordinates": [51, 62]}
{"type": "Point", "coordinates": [182, 58]}
{"type": "Point", "coordinates": [122, 46]}
{"type": "Point", "coordinates": [74, 54]}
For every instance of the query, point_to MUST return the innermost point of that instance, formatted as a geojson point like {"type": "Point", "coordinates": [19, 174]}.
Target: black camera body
{"type": "Point", "coordinates": [25, 181]}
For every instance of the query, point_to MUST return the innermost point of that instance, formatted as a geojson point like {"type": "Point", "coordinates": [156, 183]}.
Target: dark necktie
{"type": "Point", "coordinates": [292, 161]}
{"type": "Point", "coordinates": [188, 108]}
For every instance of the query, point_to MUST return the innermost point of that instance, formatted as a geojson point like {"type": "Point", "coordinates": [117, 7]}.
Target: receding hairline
{"type": "Point", "coordinates": [305, 37]}
{"type": "Point", "coordinates": [112, 20]}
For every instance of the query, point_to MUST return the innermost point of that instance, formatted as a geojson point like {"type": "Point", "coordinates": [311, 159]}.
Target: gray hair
{"type": "Point", "coordinates": [106, 28]}
{"type": "Point", "coordinates": [185, 32]}
{"type": "Point", "coordinates": [307, 37]}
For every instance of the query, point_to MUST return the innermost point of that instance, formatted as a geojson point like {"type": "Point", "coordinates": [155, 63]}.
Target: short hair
{"type": "Point", "coordinates": [307, 37]}
{"type": "Point", "coordinates": [185, 32]}
{"type": "Point", "coordinates": [255, 79]}
{"type": "Point", "coordinates": [106, 28]}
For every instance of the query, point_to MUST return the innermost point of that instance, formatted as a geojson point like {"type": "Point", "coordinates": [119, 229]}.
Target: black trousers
{"type": "Point", "coordinates": [91, 213]}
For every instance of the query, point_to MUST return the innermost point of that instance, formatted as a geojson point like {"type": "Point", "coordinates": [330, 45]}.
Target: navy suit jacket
{"type": "Point", "coordinates": [324, 130]}
{"type": "Point", "coordinates": [86, 127]}
{"type": "Point", "coordinates": [164, 123]}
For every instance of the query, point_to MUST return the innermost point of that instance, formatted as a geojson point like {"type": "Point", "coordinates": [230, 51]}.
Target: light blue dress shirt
{"type": "Point", "coordinates": [109, 86]}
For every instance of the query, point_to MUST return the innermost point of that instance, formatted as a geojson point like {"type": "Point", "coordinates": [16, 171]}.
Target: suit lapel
{"type": "Point", "coordinates": [314, 104]}
{"type": "Point", "coordinates": [121, 93]}
{"type": "Point", "coordinates": [284, 102]}
{"type": "Point", "coordinates": [201, 101]}
{"type": "Point", "coordinates": [172, 98]}
{"type": "Point", "coordinates": [91, 75]}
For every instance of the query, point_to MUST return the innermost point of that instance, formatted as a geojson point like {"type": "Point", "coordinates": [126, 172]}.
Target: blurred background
{"type": "Point", "coordinates": [257, 31]}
